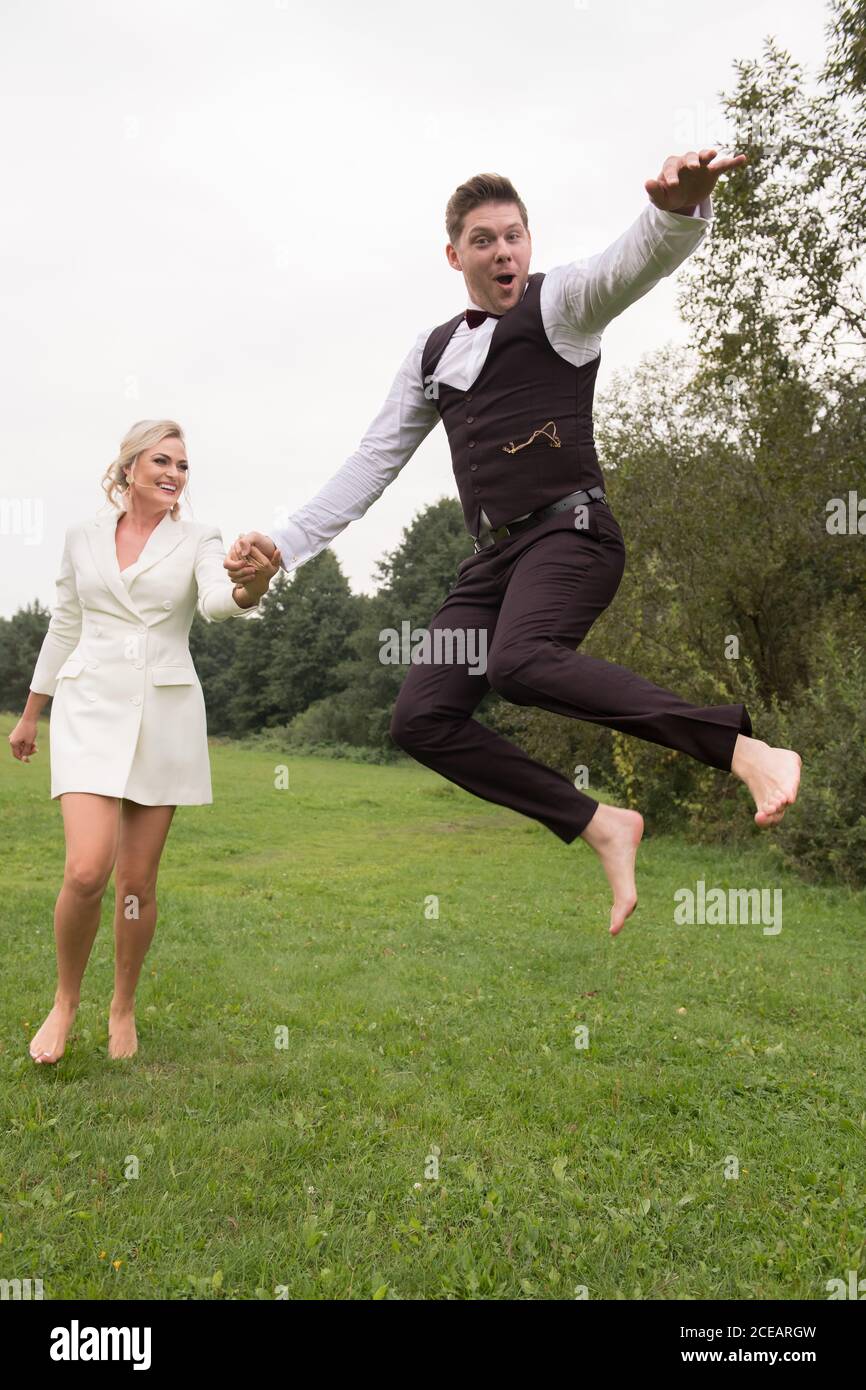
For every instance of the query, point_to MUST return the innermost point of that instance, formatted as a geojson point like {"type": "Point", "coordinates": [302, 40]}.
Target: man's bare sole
{"type": "Point", "coordinates": [771, 774]}
{"type": "Point", "coordinates": [49, 1043]}
{"type": "Point", "coordinates": [615, 834]}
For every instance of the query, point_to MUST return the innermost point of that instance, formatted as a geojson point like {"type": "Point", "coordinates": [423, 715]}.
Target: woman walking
{"type": "Point", "coordinates": [128, 731]}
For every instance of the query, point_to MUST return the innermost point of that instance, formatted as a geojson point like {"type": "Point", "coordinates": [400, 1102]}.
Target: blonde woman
{"type": "Point", "coordinates": [128, 733]}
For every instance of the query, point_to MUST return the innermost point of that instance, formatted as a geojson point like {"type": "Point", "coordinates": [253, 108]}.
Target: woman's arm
{"type": "Point", "coordinates": [217, 598]}
{"type": "Point", "coordinates": [52, 654]}
{"type": "Point", "coordinates": [64, 629]}
{"type": "Point", "coordinates": [22, 739]}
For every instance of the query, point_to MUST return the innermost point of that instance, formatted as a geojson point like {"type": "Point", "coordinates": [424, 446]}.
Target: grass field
{"type": "Point", "coordinates": [313, 1043]}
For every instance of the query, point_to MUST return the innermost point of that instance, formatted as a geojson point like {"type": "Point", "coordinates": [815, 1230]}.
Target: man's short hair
{"type": "Point", "coordinates": [483, 188]}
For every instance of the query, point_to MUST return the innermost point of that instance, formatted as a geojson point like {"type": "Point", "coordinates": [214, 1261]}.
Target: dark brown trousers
{"type": "Point", "coordinates": [536, 595]}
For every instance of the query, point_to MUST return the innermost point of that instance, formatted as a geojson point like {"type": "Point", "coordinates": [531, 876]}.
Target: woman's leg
{"type": "Point", "coordinates": [143, 832]}
{"type": "Point", "coordinates": [91, 826]}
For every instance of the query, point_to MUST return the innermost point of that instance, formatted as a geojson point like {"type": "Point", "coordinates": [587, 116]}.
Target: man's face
{"type": "Point", "coordinates": [493, 252]}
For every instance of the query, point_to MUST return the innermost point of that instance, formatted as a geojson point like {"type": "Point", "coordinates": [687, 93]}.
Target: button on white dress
{"type": "Point", "coordinates": [128, 717]}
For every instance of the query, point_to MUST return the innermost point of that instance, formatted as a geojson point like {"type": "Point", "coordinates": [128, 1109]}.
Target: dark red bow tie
{"type": "Point", "coordinates": [475, 316]}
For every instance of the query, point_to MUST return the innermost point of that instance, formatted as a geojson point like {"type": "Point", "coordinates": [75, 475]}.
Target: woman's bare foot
{"type": "Point", "coordinates": [615, 834]}
{"type": "Point", "coordinates": [771, 774]}
{"type": "Point", "coordinates": [122, 1037]}
{"type": "Point", "coordinates": [49, 1043]}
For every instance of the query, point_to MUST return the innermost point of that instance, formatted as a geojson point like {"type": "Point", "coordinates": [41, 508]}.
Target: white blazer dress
{"type": "Point", "coordinates": [128, 717]}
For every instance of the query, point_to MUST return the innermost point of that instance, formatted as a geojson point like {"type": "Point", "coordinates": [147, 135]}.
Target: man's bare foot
{"type": "Point", "coordinates": [771, 774]}
{"type": "Point", "coordinates": [615, 834]}
{"type": "Point", "coordinates": [49, 1043]}
{"type": "Point", "coordinates": [122, 1037]}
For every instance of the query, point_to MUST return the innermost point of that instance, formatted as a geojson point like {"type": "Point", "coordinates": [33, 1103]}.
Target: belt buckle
{"type": "Point", "coordinates": [488, 537]}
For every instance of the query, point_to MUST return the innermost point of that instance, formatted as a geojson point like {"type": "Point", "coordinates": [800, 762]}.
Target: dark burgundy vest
{"type": "Point", "coordinates": [523, 386]}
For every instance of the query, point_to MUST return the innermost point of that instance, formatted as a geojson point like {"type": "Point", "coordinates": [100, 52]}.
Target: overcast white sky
{"type": "Point", "coordinates": [231, 213]}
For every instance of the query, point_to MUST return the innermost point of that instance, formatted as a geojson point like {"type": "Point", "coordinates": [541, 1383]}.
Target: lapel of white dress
{"type": "Point", "coordinates": [160, 543]}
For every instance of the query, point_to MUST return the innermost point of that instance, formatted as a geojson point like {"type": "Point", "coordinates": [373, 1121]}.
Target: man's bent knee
{"type": "Point", "coordinates": [413, 729]}
{"type": "Point", "coordinates": [502, 669]}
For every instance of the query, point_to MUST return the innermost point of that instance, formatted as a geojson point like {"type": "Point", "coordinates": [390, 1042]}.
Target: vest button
{"type": "Point", "coordinates": [471, 444]}
{"type": "Point", "coordinates": [476, 490]}
{"type": "Point", "coordinates": [473, 466]}
{"type": "Point", "coordinates": [470, 419]}
{"type": "Point", "coordinates": [468, 396]}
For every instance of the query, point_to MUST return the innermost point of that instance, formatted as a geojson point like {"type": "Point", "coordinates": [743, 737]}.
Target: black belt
{"type": "Point", "coordinates": [490, 536]}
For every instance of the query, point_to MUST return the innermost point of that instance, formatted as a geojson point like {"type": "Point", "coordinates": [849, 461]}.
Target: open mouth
{"type": "Point", "coordinates": [506, 280]}
{"type": "Point", "coordinates": [167, 487]}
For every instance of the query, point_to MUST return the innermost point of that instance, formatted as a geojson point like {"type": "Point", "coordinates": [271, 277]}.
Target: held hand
{"type": "Point", "coordinates": [22, 740]}
{"type": "Point", "coordinates": [261, 569]}
{"type": "Point", "coordinates": [686, 179]}
{"type": "Point", "coordinates": [239, 561]}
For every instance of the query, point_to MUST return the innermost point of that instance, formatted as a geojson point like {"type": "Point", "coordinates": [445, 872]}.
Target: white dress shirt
{"type": "Point", "coordinates": [577, 301]}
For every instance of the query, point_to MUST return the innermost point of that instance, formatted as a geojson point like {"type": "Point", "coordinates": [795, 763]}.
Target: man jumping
{"type": "Point", "coordinates": [512, 377]}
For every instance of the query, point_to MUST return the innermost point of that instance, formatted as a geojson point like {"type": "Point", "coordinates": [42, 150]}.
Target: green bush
{"type": "Point", "coordinates": [824, 836]}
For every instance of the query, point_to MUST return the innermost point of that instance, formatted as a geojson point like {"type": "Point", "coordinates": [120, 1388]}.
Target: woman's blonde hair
{"type": "Point", "coordinates": [144, 434]}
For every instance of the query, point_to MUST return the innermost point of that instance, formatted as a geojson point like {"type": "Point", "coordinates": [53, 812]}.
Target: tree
{"type": "Point", "coordinates": [413, 580]}
{"type": "Point", "coordinates": [777, 286]}
{"type": "Point", "coordinates": [291, 656]}
{"type": "Point", "coordinates": [214, 648]}
{"type": "Point", "coordinates": [21, 637]}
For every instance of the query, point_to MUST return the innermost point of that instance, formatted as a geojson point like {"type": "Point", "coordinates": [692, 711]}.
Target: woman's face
{"type": "Point", "coordinates": [159, 473]}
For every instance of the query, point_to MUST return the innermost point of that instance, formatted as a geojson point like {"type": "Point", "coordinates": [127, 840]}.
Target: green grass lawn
{"type": "Point", "coordinates": [411, 1040]}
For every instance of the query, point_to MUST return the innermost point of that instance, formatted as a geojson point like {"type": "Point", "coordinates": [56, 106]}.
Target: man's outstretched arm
{"type": "Point", "coordinates": [404, 421]}
{"type": "Point", "coordinates": [588, 294]}
{"type": "Point", "coordinates": [687, 179]}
